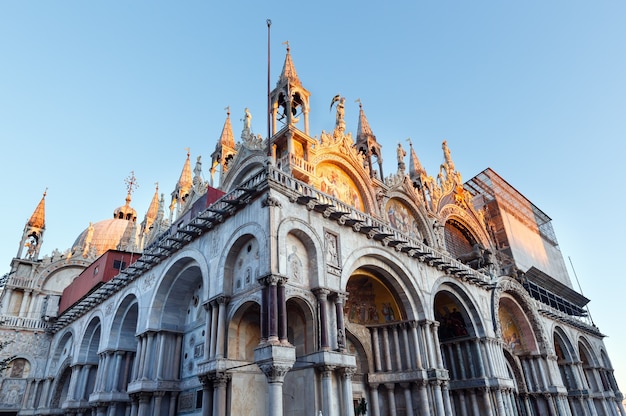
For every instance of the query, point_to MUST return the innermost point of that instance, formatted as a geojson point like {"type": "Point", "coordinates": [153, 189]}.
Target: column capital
{"type": "Point", "coordinates": [219, 300]}
{"type": "Point", "coordinates": [220, 379]}
{"type": "Point", "coordinates": [321, 292]}
{"type": "Point", "coordinates": [326, 369]}
{"type": "Point", "coordinates": [272, 279]}
{"type": "Point", "coordinates": [340, 297]}
{"type": "Point", "coordinates": [348, 372]}
{"type": "Point", "coordinates": [275, 372]}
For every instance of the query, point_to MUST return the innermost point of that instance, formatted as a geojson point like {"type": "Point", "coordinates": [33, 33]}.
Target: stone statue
{"type": "Point", "coordinates": [247, 119]}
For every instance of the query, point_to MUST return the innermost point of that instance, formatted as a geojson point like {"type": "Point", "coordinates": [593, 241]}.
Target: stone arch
{"type": "Point", "coordinates": [358, 177]}
{"type": "Point", "coordinates": [389, 267]}
{"type": "Point", "coordinates": [124, 325]}
{"type": "Point", "coordinates": [590, 363]}
{"type": "Point", "coordinates": [464, 300]}
{"type": "Point", "coordinates": [61, 387]}
{"type": "Point", "coordinates": [565, 358]}
{"type": "Point", "coordinates": [90, 343]}
{"type": "Point", "coordinates": [301, 326]}
{"type": "Point", "coordinates": [417, 217]}
{"type": "Point", "coordinates": [244, 332]}
{"type": "Point", "coordinates": [178, 295]}
{"type": "Point", "coordinates": [244, 169]}
{"type": "Point", "coordinates": [461, 231]}
{"type": "Point", "coordinates": [519, 295]}
{"type": "Point", "coordinates": [309, 253]}
{"type": "Point", "coordinates": [234, 247]}
{"type": "Point", "coordinates": [515, 328]}
{"type": "Point", "coordinates": [62, 350]}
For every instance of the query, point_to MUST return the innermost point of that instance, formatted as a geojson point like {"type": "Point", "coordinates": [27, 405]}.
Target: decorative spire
{"type": "Point", "coordinates": [183, 187]}
{"type": "Point", "coordinates": [153, 210]}
{"type": "Point", "coordinates": [224, 149]}
{"type": "Point", "coordinates": [366, 142]}
{"type": "Point", "coordinates": [38, 219]}
{"type": "Point", "coordinates": [186, 180]}
{"type": "Point", "coordinates": [416, 170]}
{"type": "Point", "coordinates": [227, 138]}
{"type": "Point", "coordinates": [363, 129]}
{"type": "Point", "coordinates": [288, 75]}
{"type": "Point", "coordinates": [32, 238]}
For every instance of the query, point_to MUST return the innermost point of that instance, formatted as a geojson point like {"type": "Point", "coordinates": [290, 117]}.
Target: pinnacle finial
{"type": "Point", "coordinates": [131, 183]}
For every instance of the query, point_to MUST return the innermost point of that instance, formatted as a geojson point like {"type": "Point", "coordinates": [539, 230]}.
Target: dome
{"type": "Point", "coordinates": [105, 235]}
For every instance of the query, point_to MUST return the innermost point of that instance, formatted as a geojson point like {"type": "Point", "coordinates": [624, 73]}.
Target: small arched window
{"type": "Point", "coordinates": [18, 368]}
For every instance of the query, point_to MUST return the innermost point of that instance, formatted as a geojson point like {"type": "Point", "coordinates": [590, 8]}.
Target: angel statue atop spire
{"type": "Point", "coordinates": [340, 124]}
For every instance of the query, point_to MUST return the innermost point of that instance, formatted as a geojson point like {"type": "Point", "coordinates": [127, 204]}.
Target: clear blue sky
{"type": "Point", "coordinates": [535, 90]}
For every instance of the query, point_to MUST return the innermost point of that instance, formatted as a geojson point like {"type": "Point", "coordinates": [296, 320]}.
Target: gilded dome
{"type": "Point", "coordinates": [112, 234]}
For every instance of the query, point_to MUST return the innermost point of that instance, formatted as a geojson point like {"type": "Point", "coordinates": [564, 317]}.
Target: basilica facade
{"type": "Point", "coordinates": [301, 280]}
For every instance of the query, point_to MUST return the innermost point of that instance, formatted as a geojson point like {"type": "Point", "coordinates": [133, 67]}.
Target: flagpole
{"type": "Point", "coordinates": [269, 103]}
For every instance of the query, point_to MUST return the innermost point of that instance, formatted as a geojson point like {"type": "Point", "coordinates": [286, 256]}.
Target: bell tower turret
{"type": "Point", "coordinates": [289, 100]}
{"type": "Point", "coordinates": [291, 147]}
{"type": "Point", "coordinates": [32, 237]}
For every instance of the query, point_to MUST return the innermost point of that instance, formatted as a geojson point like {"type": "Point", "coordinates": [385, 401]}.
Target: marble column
{"type": "Point", "coordinates": [207, 330]}
{"type": "Point", "coordinates": [25, 304]}
{"type": "Point", "coordinates": [214, 320]}
{"type": "Point", "coordinates": [436, 343]}
{"type": "Point", "coordinates": [207, 395]}
{"type": "Point", "coordinates": [322, 300]}
{"type": "Point", "coordinates": [445, 392]}
{"type": "Point", "coordinates": [488, 408]}
{"type": "Point", "coordinates": [340, 299]}
{"type": "Point", "coordinates": [396, 347]}
{"type": "Point", "coordinates": [220, 381]}
{"type": "Point", "coordinates": [386, 349]}
{"type": "Point", "coordinates": [346, 387]}
{"type": "Point", "coordinates": [408, 399]}
{"type": "Point", "coordinates": [118, 370]}
{"type": "Point", "coordinates": [158, 399]}
{"type": "Point", "coordinates": [438, 397]}
{"type": "Point", "coordinates": [327, 389]}
{"type": "Point", "coordinates": [282, 312]}
{"type": "Point", "coordinates": [376, 349]}
{"type": "Point", "coordinates": [6, 300]}
{"type": "Point", "coordinates": [161, 357]}
{"type": "Point", "coordinates": [391, 398]}
{"type": "Point", "coordinates": [424, 403]}
{"type": "Point", "coordinates": [221, 326]}
{"type": "Point", "coordinates": [418, 348]}
{"type": "Point", "coordinates": [144, 405]}
{"type": "Point", "coordinates": [375, 405]}
{"type": "Point", "coordinates": [173, 398]}
{"type": "Point", "coordinates": [275, 374]}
